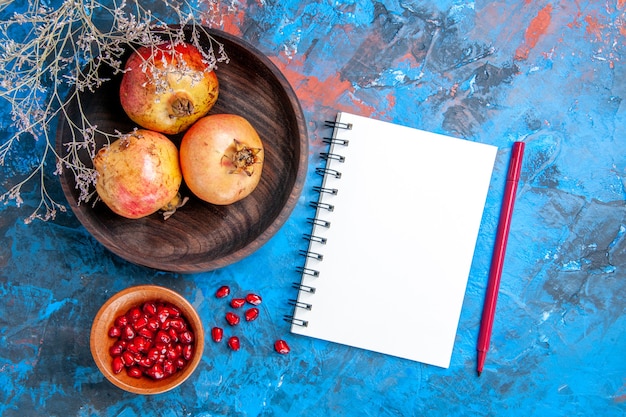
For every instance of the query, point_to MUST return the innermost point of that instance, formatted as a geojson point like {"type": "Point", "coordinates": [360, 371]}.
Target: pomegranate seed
{"type": "Point", "coordinates": [134, 314]}
{"type": "Point", "coordinates": [178, 324]}
{"type": "Point", "coordinates": [174, 352]}
{"type": "Point", "coordinates": [222, 291]}
{"type": "Point", "coordinates": [253, 299]}
{"type": "Point", "coordinates": [233, 343]}
{"type": "Point", "coordinates": [128, 333]}
{"type": "Point", "coordinates": [153, 354]}
{"type": "Point", "coordinates": [174, 311]}
{"type": "Point", "coordinates": [163, 337]}
{"type": "Point", "coordinates": [117, 365]}
{"type": "Point", "coordinates": [173, 335]}
{"type": "Point", "coordinates": [186, 337]}
{"type": "Point", "coordinates": [161, 347]}
{"type": "Point", "coordinates": [117, 349]}
{"type": "Point", "coordinates": [131, 347]}
{"type": "Point", "coordinates": [121, 321]}
{"type": "Point", "coordinates": [180, 363]}
{"type": "Point", "coordinates": [169, 368]}
{"type": "Point", "coordinates": [141, 344]}
{"type": "Point", "coordinates": [140, 323]}
{"type": "Point", "coordinates": [217, 333]}
{"type": "Point", "coordinates": [128, 358]}
{"type": "Point", "coordinates": [163, 313]}
{"type": "Point", "coordinates": [146, 333]}
{"type": "Point", "coordinates": [188, 352]}
{"type": "Point", "coordinates": [156, 372]}
{"type": "Point", "coordinates": [145, 362]}
{"type": "Point", "coordinates": [232, 318]}
{"type": "Point", "coordinates": [115, 331]}
{"type": "Point", "coordinates": [251, 314]}
{"type": "Point", "coordinates": [237, 302]}
{"type": "Point", "coordinates": [134, 372]}
{"type": "Point", "coordinates": [281, 347]}
{"type": "Point", "coordinates": [153, 323]}
{"type": "Point", "coordinates": [149, 308]}
{"type": "Point", "coordinates": [166, 324]}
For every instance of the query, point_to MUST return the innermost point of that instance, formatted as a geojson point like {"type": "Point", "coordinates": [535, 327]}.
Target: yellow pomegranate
{"type": "Point", "coordinates": [221, 157]}
{"type": "Point", "coordinates": [139, 174]}
{"type": "Point", "coordinates": [167, 88]}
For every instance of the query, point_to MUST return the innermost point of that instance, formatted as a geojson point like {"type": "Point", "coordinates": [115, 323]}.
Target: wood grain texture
{"type": "Point", "coordinates": [200, 236]}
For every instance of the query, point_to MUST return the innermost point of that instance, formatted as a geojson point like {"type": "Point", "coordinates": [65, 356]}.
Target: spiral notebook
{"type": "Point", "coordinates": [393, 239]}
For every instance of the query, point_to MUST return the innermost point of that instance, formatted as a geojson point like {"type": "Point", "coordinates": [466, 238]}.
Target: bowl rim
{"type": "Point", "coordinates": [124, 301]}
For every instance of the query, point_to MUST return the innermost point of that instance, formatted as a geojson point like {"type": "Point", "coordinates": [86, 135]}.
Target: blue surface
{"type": "Point", "coordinates": [550, 73]}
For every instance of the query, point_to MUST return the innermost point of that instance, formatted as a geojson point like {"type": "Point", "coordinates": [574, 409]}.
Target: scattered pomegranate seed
{"type": "Point", "coordinates": [253, 299]}
{"type": "Point", "coordinates": [233, 343]}
{"type": "Point", "coordinates": [232, 318]}
{"type": "Point", "coordinates": [251, 314]}
{"type": "Point", "coordinates": [217, 333]}
{"type": "Point", "coordinates": [222, 291]}
{"type": "Point", "coordinates": [237, 302]}
{"type": "Point", "coordinates": [281, 347]}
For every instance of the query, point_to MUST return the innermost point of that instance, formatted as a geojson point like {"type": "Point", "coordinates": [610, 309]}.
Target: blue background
{"type": "Point", "coordinates": [550, 73]}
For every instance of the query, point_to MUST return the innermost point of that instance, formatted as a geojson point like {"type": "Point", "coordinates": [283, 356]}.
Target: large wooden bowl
{"type": "Point", "coordinates": [119, 304]}
{"type": "Point", "coordinates": [200, 236]}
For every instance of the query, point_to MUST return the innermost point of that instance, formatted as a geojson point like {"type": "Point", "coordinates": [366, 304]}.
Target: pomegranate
{"type": "Point", "coordinates": [221, 158]}
{"type": "Point", "coordinates": [139, 174]}
{"type": "Point", "coordinates": [168, 87]}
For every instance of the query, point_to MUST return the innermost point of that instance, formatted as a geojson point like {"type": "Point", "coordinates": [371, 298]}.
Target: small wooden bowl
{"type": "Point", "coordinates": [119, 304]}
{"type": "Point", "coordinates": [200, 236]}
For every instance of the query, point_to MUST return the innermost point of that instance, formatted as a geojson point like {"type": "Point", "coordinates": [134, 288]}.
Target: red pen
{"type": "Point", "coordinates": [499, 250]}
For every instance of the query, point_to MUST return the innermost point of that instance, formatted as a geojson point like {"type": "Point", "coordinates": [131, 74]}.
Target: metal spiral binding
{"type": "Point", "coordinates": [316, 221]}
{"type": "Point", "coordinates": [319, 205]}
{"type": "Point", "coordinates": [336, 141]}
{"type": "Point", "coordinates": [308, 271]}
{"type": "Point", "coordinates": [300, 304]}
{"type": "Point", "coordinates": [327, 171]}
{"type": "Point", "coordinates": [327, 155]}
{"type": "Point", "coordinates": [297, 322]}
{"type": "Point", "coordinates": [313, 255]}
{"type": "Point", "coordinates": [314, 238]}
{"type": "Point", "coordinates": [319, 189]}
{"type": "Point", "coordinates": [337, 125]}
{"type": "Point", "coordinates": [302, 287]}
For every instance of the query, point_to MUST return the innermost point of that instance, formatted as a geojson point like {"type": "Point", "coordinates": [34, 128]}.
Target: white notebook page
{"type": "Point", "coordinates": [400, 243]}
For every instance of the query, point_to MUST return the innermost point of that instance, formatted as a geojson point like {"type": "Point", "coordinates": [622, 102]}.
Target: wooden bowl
{"type": "Point", "coordinates": [119, 304]}
{"type": "Point", "coordinates": [201, 236]}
